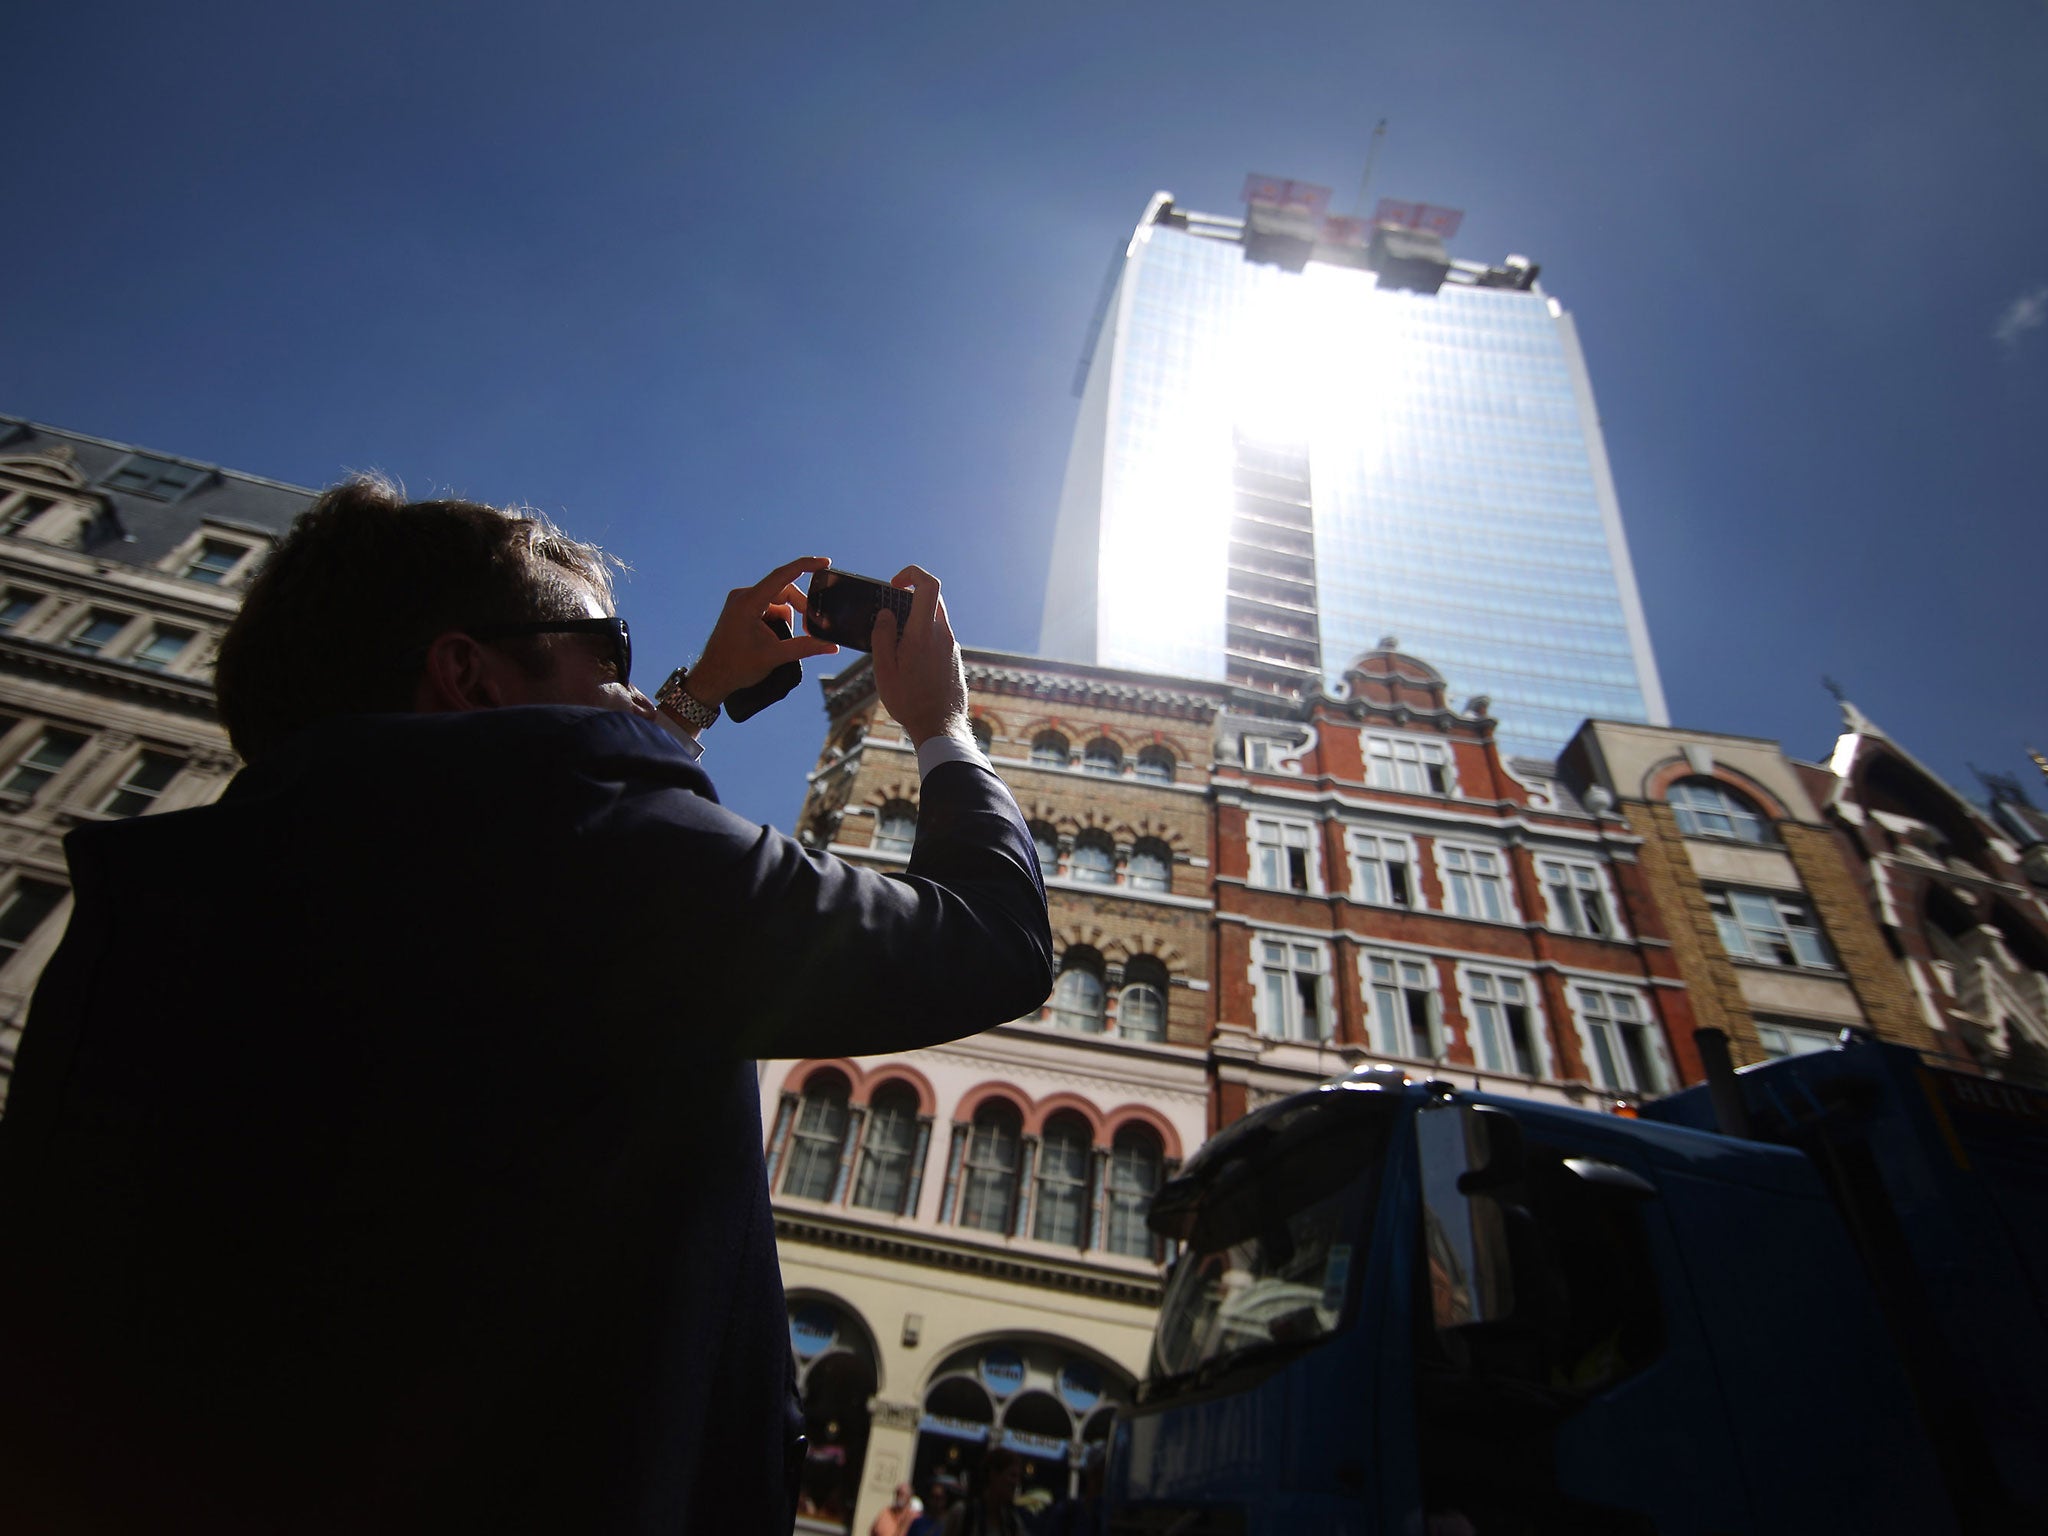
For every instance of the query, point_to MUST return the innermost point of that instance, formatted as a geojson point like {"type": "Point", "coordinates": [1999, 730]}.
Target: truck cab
{"type": "Point", "coordinates": [1401, 1307]}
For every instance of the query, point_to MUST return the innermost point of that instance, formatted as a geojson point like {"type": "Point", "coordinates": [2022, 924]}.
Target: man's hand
{"type": "Point", "coordinates": [918, 672]}
{"type": "Point", "coordinates": [742, 649]}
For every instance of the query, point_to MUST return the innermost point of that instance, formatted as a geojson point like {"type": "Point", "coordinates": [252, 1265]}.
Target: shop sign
{"type": "Point", "coordinates": [955, 1429]}
{"type": "Point", "coordinates": [1002, 1371]}
{"type": "Point", "coordinates": [1079, 1386]}
{"type": "Point", "coordinates": [812, 1330]}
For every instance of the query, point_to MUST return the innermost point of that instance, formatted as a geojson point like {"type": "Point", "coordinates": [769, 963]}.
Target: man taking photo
{"type": "Point", "coordinates": [384, 1152]}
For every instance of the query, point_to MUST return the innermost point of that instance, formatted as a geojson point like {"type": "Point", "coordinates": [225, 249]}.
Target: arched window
{"type": "Point", "coordinates": [1135, 1166]}
{"type": "Point", "coordinates": [818, 1139]}
{"type": "Point", "coordinates": [988, 1178]}
{"type": "Point", "coordinates": [1049, 750]}
{"type": "Point", "coordinates": [1061, 1213]}
{"type": "Point", "coordinates": [1078, 997]}
{"type": "Point", "coordinates": [983, 735]}
{"type": "Point", "coordinates": [1047, 841]}
{"type": "Point", "coordinates": [1155, 765]}
{"type": "Point", "coordinates": [1103, 756]}
{"type": "Point", "coordinates": [1094, 859]}
{"type": "Point", "coordinates": [896, 828]}
{"type": "Point", "coordinates": [1141, 1006]}
{"type": "Point", "coordinates": [887, 1150]}
{"type": "Point", "coordinates": [1708, 808]}
{"type": "Point", "coordinates": [1151, 865]}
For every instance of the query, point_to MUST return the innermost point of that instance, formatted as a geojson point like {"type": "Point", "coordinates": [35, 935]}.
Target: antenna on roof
{"type": "Point", "coordinates": [1372, 153]}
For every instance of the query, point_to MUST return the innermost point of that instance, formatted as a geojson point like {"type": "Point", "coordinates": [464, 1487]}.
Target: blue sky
{"type": "Point", "coordinates": [719, 288]}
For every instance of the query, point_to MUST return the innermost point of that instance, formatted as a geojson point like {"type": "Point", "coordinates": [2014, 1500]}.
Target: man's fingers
{"type": "Point", "coordinates": [803, 647]}
{"type": "Point", "coordinates": [925, 603]}
{"type": "Point", "coordinates": [769, 588]}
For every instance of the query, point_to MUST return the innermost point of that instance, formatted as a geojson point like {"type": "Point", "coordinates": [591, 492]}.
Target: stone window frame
{"type": "Point", "coordinates": [1379, 1026]}
{"type": "Point", "coordinates": [1557, 920]}
{"type": "Point", "coordinates": [1472, 982]}
{"type": "Point", "coordinates": [1290, 967]}
{"type": "Point", "coordinates": [1588, 1020]}
{"type": "Point", "coordinates": [1794, 916]}
{"type": "Point", "coordinates": [1380, 838]}
{"type": "Point", "coordinates": [1427, 752]}
{"type": "Point", "coordinates": [1503, 878]}
{"type": "Point", "coordinates": [1310, 848]}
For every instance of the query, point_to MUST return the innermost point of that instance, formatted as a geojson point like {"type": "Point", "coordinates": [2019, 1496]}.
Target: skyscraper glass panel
{"type": "Point", "coordinates": [1445, 444]}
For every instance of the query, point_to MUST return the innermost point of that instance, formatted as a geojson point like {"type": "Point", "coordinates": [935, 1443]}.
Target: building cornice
{"type": "Point", "coordinates": [943, 1253]}
{"type": "Point", "coordinates": [186, 695]}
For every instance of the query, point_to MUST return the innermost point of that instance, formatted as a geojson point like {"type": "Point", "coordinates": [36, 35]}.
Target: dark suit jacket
{"type": "Point", "coordinates": [385, 1149]}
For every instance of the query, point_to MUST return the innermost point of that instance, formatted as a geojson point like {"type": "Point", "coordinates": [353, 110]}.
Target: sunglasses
{"type": "Point", "coordinates": [613, 627]}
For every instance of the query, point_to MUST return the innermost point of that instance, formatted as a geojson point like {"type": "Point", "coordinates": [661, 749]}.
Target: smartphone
{"type": "Point", "coordinates": [841, 607]}
{"type": "Point", "coordinates": [744, 703]}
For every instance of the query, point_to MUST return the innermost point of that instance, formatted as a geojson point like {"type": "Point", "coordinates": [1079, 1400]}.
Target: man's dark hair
{"type": "Point", "coordinates": [338, 620]}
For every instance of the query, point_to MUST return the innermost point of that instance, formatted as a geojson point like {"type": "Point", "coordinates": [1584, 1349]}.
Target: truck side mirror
{"type": "Point", "coordinates": [1464, 1231]}
{"type": "Point", "coordinates": [1493, 1138]}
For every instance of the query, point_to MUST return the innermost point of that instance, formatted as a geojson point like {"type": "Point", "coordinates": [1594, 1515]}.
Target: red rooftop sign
{"type": "Point", "coordinates": [1299, 196]}
{"type": "Point", "coordinates": [1442, 222]}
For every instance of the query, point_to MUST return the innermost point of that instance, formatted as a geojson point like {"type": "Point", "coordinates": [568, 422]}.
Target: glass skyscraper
{"type": "Point", "coordinates": [1300, 435]}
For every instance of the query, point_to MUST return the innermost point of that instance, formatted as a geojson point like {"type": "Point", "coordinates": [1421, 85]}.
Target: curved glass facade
{"type": "Point", "coordinates": [1446, 447]}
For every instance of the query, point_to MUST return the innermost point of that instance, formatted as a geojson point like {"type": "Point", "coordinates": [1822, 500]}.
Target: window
{"type": "Point", "coordinates": [1623, 1056]}
{"type": "Point", "coordinates": [1264, 752]}
{"type": "Point", "coordinates": [896, 828]}
{"type": "Point", "coordinates": [94, 635]}
{"type": "Point", "coordinates": [1705, 808]}
{"type": "Point", "coordinates": [1420, 767]}
{"type": "Point", "coordinates": [1503, 1030]}
{"type": "Point", "coordinates": [1403, 1008]}
{"type": "Point", "coordinates": [1380, 865]}
{"type": "Point", "coordinates": [23, 912]}
{"type": "Point", "coordinates": [819, 1138]}
{"type": "Point", "coordinates": [1155, 765]}
{"type": "Point", "coordinates": [1473, 880]}
{"type": "Point", "coordinates": [1049, 750]}
{"type": "Point", "coordinates": [1280, 855]}
{"type": "Point", "coordinates": [51, 753]}
{"type": "Point", "coordinates": [1150, 867]}
{"type": "Point", "coordinates": [1061, 1213]}
{"type": "Point", "coordinates": [1777, 930]}
{"type": "Point", "coordinates": [26, 511]}
{"type": "Point", "coordinates": [1094, 859]}
{"type": "Point", "coordinates": [1291, 1000]}
{"type": "Point", "coordinates": [888, 1149]}
{"type": "Point", "coordinates": [1781, 1040]}
{"type": "Point", "coordinates": [988, 1177]}
{"type": "Point", "coordinates": [166, 644]}
{"type": "Point", "coordinates": [983, 736]}
{"type": "Point", "coordinates": [1578, 901]}
{"type": "Point", "coordinates": [145, 781]}
{"type": "Point", "coordinates": [1103, 756]}
{"type": "Point", "coordinates": [1141, 1006]}
{"type": "Point", "coordinates": [213, 561]}
{"type": "Point", "coordinates": [157, 478]}
{"type": "Point", "coordinates": [16, 606]}
{"type": "Point", "coordinates": [1078, 996]}
{"type": "Point", "coordinates": [1135, 1166]}
{"type": "Point", "coordinates": [1047, 842]}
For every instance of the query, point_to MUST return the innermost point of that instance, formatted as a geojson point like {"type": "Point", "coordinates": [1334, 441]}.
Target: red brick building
{"type": "Point", "coordinates": [1390, 888]}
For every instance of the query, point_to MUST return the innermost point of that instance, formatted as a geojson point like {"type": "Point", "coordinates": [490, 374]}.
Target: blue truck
{"type": "Point", "coordinates": [1806, 1297]}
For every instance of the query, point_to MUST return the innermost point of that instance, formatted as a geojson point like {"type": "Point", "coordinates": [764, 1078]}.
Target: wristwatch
{"type": "Point", "coordinates": [675, 698]}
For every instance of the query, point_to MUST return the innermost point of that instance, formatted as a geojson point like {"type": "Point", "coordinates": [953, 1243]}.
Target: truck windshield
{"type": "Point", "coordinates": [1271, 1239]}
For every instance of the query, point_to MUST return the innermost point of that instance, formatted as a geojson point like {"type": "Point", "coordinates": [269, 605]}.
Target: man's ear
{"type": "Point", "coordinates": [460, 673]}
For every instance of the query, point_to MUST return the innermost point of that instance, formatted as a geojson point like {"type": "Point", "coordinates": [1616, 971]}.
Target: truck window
{"type": "Point", "coordinates": [1272, 1247]}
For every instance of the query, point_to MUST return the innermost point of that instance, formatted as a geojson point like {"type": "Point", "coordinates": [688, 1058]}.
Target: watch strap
{"type": "Point", "coordinates": [674, 697]}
